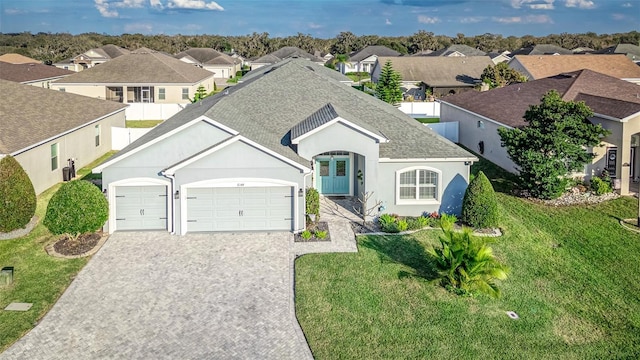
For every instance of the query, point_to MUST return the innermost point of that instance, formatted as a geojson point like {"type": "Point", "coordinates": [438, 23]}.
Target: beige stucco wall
{"type": "Point", "coordinates": [79, 145]}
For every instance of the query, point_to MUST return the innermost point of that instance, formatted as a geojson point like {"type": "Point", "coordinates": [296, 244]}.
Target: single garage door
{"type": "Point", "coordinates": [141, 207]}
{"type": "Point", "coordinates": [240, 209]}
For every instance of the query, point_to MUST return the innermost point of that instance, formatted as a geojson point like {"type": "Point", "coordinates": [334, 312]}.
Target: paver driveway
{"type": "Point", "coordinates": [156, 296]}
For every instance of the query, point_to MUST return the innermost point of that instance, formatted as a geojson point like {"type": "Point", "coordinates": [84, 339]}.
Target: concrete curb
{"type": "Point", "coordinates": [20, 232]}
{"type": "Point", "coordinates": [624, 225]}
{"type": "Point", "coordinates": [52, 251]}
{"type": "Point", "coordinates": [494, 232]}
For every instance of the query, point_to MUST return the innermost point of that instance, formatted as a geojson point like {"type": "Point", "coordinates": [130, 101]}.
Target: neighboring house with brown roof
{"type": "Point", "coordinates": [34, 74]}
{"type": "Point", "coordinates": [542, 49]}
{"type": "Point", "coordinates": [542, 66]}
{"type": "Point", "coordinates": [221, 65]}
{"type": "Point", "coordinates": [42, 129]}
{"type": "Point", "coordinates": [629, 50]}
{"type": "Point", "coordinates": [92, 57]}
{"type": "Point", "coordinates": [440, 75]}
{"type": "Point", "coordinates": [616, 104]}
{"type": "Point", "coordinates": [13, 58]}
{"type": "Point", "coordinates": [287, 52]}
{"type": "Point", "coordinates": [143, 76]}
{"type": "Point", "coordinates": [365, 59]}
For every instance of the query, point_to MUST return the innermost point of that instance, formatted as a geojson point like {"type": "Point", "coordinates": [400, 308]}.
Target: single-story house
{"type": "Point", "coordinates": [615, 102]}
{"type": "Point", "coordinates": [243, 159]}
{"type": "Point", "coordinates": [221, 65]}
{"type": "Point", "coordinates": [458, 50]}
{"type": "Point", "coordinates": [43, 129]}
{"type": "Point", "coordinates": [440, 75]}
{"type": "Point", "coordinates": [92, 57]}
{"type": "Point", "coordinates": [33, 74]}
{"type": "Point", "coordinates": [542, 49]}
{"type": "Point", "coordinates": [13, 58]}
{"type": "Point", "coordinates": [541, 66]}
{"type": "Point", "coordinates": [365, 59]}
{"type": "Point", "coordinates": [286, 52]}
{"type": "Point", "coordinates": [142, 76]}
{"type": "Point", "coordinates": [632, 51]}
{"type": "Point", "coordinates": [500, 57]}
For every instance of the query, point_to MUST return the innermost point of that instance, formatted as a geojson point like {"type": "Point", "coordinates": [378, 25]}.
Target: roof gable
{"type": "Point", "coordinates": [377, 50]}
{"type": "Point", "coordinates": [18, 59]}
{"type": "Point", "coordinates": [437, 71]}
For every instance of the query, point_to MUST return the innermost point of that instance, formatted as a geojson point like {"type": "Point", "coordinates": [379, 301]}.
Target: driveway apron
{"type": "Point", "coordinates": [149, 295]}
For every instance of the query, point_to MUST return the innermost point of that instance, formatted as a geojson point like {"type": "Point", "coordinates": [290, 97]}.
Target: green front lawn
{"type": "Point", "coordinates": [574, 283]}
{"type": "Point", "coordinates": [358, 76]}
{"type": "Point", "coordinates": [428, 120]}
{"type": "Point", "coordinates": [140, 124]}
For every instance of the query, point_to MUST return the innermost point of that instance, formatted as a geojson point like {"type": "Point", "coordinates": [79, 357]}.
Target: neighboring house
{"type": "Point", "coordinates": [143, 76]}
{"type": "Point", "coordinates": [42, 129]}
{"type": "Point", "coordinates": [92, 57]}
{"type": "Point", "coordinates": [322, 70]}
{"type": "Point", "coordinates": [615, 102]}
{"type": "Point", "coordinates": [542, 49]}
{"type": "Point", "coordinates": [12, 58]}
{"type": "Point", "coordinates": [542, 66]}
{"type": "Point", "coordinates": [241, 160]}
{"type": "Point", "coordinates": [287, 52]}
{"type": "Point", "coordinates": [629, 50]}
{"type": "Point", "coordinates": [439, 75]}
{"type": "Point", "coordinates": [221, 65]}
{"type": "Point", "coordinates": [365, 59]}
{"type": "Point", "coordinates": [458, 50]}
{"type": "Point", "coordinates": [583, 50]}
{"type": "Point", "coordinates": [500, 57]}
{"type": "Point", "coordinates": [33, 74]}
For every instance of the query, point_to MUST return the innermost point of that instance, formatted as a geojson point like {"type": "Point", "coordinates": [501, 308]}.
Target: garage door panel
{"type": "Point", "coordinates": [141, 207]}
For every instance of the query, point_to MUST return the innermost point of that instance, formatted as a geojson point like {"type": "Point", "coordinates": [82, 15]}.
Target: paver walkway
{"type": "Point", "coordinates": [149, 295]}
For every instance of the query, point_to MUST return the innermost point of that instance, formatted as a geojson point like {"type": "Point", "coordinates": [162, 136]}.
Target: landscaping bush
{"type": "Point", "coordinates": [306, 234]}
{"type": "Point", "coordinates": [313, 203]}
{"type": "Point", "coordinates": [321, 234]}
{"type": "Point", "coordinates": [402, 225]}
{"type": "Point", "coordinates": [417, 223]}
{"type": "Point", "coordinates": [599, 186]}
{"type": "Point", "coordinates": [17, 196]}
{"type": "Point", "coordinates": [479, 206]}
{"type": "Point", "coordinates": [388, 223]}
{"type": "Point", "coordinates": [446, 221]}
{"type": "Point", "coordinates": [77, 207]}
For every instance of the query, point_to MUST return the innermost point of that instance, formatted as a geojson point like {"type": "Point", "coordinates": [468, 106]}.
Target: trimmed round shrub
{"type": "Point", "coordinates": [78, 207]}
{"type": "Point", "coordinates": [480, 207]}
{"type": "Point", "coordinates": [17, 196]}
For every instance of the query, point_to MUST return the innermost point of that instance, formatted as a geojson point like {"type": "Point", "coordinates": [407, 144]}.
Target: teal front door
{"type": "Point", "coordinates": [333, 176]}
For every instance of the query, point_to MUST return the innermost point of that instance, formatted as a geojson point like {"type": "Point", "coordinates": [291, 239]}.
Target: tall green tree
{"type": "Point", "coordinates": [552, 144]}
{"type": "Point", "coordinates": [388, 86]}
{"type": "Point", "coordinates": [200, 94]}
{"type": "Point", "coordinates": [501, 75]}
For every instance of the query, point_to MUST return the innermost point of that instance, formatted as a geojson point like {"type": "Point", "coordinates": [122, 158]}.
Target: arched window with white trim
{"type": "Point", "coordinates": [418, 185]}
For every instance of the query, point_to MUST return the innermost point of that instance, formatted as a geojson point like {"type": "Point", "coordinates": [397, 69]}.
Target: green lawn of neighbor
{"type": "Point", "coordinates": [428, 120]}
{"type": "Point", "coordinates": [139, 124]}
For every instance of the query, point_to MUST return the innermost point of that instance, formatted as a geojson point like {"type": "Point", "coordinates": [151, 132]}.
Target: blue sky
{"type": "Point", "coordinates": [320, 18]}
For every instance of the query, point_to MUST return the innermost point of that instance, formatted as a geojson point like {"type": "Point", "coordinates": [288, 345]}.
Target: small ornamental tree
{"type": "Point", "coordinates": [17, 196]}
{"type": "Point", "coordinates": [77, 207]}
{"type": "Point", "coordinates": [552, 144]}
{"type": "Point", "coordinates": [479, 206]}
{"type": "Point", "coordinates": [313, 203]}
{"type": "Point", "coordinates": [388, 86]}
{"type": "Point", "coordinates": [501, 75]}
{"type": "Point", "coordinates": [200, 94]}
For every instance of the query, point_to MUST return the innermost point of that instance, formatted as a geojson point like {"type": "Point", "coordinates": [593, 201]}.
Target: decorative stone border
{"type": "Point", "coordinates": [20, 232]}
{"type": "Point", "coordinates": [624, 225]}
{"type": "Point", "coordinates": [494, 232]}
{"type": "Point", "coordinates": [52, 251]}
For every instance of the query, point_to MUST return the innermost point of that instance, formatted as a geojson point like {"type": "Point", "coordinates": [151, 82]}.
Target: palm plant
{"type": "Point", "coordinates": [466, 264]}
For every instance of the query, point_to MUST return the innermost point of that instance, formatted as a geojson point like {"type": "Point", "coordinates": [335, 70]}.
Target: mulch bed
{"type": "Point", "coordinates": [321, 226]}
{"type": "Point", "coordinates": [79, 246]}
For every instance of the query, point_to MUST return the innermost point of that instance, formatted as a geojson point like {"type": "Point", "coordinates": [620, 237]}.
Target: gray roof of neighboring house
{"type": "Point", "coordinates": [377, 50]}
{"type": "Point", "coordinates": [463, 49]}
{"type": "Point", "coordinates": [286, 53]}
{"type": "Point", "coordinates": [325, 71]}
{"type": "Point", "coordinates": [142, 66]}
{"type": "Point", "coordinates": [632, 51]}
{"type": "Point", "coordinates": [437, 71]}
{"type": "Point", "coordinates": [29, 114]}
{"type": "Point", "coordinates": [30, 72]}
{"type": "Point", "coordinates": [108, 51]}
{"type": "Point", "coordinates": [604, 94]}
{"type": "Point", "coordinates": [208, 56]}
{"type": "Point", "coordinates": [267, 108]}
{"type": "Point", "coordinates": [542, 49]}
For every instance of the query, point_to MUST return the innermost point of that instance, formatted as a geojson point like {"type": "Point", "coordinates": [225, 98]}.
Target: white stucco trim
{"type": "Point", "coordinates": [474, 114]}
{"type": "Point", "coordinates": [389, 160]}
{"type": "Point", "coordinates": [235, 183]}
{"type": "Point", "coordinates": [435, 201]}
{"type": "Point", "coordinates": [219, 125]}
{"type": "Point", "coordinates": [99, 168]}
{"type": "Point", "coordinates": [62, 134]}
{"type": "Point", "coordinates": [141, 181]}
{"type": "Point", "coordinates": [345, 122]}
{"type": "Point", "coordinates": [172, 170]}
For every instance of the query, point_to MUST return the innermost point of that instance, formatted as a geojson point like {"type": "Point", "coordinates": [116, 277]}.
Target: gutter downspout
{"type": "Point", "coordinates": [173, 201]}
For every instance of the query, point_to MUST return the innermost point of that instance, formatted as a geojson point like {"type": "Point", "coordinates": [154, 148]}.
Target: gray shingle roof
{"type": "Point", "coordinates": [30, 72]}
{"type": "Point", "coordinates": [29, 114]}
{"type": "Point", "coordinates": [286, 53]}
{"type": "Point", "coordinates": [377, 50]}
{"type": "Point", "coordinates": [542, 49]}
{"type": "Point", "coordinates": [324, 115]}
{"type": "Point", "coordinates": [463, 49]}
{"type": "Point", "coordinates": [325, 71]}
{"type": "Point", "coordinates": [437, 71]}
{"type": "Point", "coordinates": [208, 56]}
{"type": "Point", "coordinates": [142, 66]}
{"type": "Point", "coordinates": [265, 108]}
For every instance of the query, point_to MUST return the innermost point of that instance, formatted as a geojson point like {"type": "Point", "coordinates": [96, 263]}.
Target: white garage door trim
{"type": "Point", "coordinates": [136, 182]}
{"type": "Point", "coordinates": [236, 183]}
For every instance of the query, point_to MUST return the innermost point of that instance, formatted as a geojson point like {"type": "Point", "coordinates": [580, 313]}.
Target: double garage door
{"type": "Point", "coordinates": [239, 209]}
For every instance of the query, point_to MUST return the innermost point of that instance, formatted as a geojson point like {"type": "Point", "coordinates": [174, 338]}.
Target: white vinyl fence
{"type": "Point", "coordinates": [427, 109]}
{"type": "Point", "coordinates": [151, 111]}
{"type": "Point", "coordinates": [121, 137]}
{"type": "Point", "coordinates": [447, 129]}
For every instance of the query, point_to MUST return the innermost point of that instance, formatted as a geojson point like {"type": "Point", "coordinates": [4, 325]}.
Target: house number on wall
{"type": "Point", "coordinates": [240, 184]}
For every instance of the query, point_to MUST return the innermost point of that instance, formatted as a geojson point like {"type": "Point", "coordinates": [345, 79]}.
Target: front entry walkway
{"type": "Point", "coordinates": [151, 295]}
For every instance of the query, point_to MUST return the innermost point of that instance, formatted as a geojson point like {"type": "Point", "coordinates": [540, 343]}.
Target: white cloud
{"type": "Point", "coordinates": [427, 19]}
{"type": "Point", "coordinates": [530, 19]}
{"type": "Point", "coordinates": [533, 4]}
{"type": "Point", "coordinates": [194, 4]}
{"type": "Point", "coordinates": [156, 4]}
{"type": "Point", "coordinates": [14, 11]}
{"type": "Point", "coordinates": [387, 22]}
{"type": "Point", "coordinates": [582, 4]}
{"type": "Point", "coordinates": [313, 25]}
{"type": "Point", "coordinates": [471, 19]}
{"type": "Point", "coordinates": [103, 8]}
{"type": "Point", "coordinates": [138, 28]}
{"type": "Point", "coordinates": [627, 5]}
{"type": "Point", "coordinates": [618, 17]}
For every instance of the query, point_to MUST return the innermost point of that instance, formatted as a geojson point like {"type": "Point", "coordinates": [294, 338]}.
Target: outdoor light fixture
{"type": "Point", "coordinates": [104, 192]}
{"type": "Point", "coordinates": [467, 163]}
{"type": "Point", "coordinates": [300, 192]}
{"type": "Point", "coordinates": [176, 195]}
{"type": "Point", "coordinates": [626, 165]}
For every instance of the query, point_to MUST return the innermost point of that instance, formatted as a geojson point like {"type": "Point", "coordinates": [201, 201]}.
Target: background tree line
{"type": "Point", "coordinates": [60, 46]}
